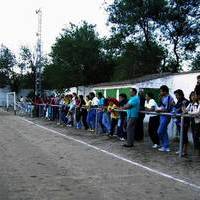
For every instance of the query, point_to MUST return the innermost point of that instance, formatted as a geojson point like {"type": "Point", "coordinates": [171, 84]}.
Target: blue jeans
{"type": "Point", "coordinates": [162, 131]}
{"type": "Point", "coordinates": [64, 118]}
{"type": "Point", "coordinates": [100, 121]}
{"type": "Point", "coordinates": [91, 118]}
{"type": "Point", "coordinates": [106, 121]}
{"type": "Point", "coordinates": [121, 128]}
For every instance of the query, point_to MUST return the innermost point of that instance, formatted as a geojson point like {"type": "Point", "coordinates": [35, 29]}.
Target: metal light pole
{"type": "Point", "coordinates": [38, 63]}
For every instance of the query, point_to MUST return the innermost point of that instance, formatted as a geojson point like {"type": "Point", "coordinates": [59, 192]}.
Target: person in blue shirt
{"type": "Point", "coordinates": [101, 105]}
{"type": "Point", "coordinates": [133, 108]}
{"type": "Point", "coordinates": [166, 105]}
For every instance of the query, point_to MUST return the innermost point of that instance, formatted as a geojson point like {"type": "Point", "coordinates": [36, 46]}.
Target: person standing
{"type": "Point", "coordinates": [94, 106]}
{"type": "Point", "coordinates": [101, 104]}
{"type": "Point", "coordinates": [194, 110]}
{"type": "Point", "coordinates": [114, 115]}
{"type": "Point", "coordinates": [133, 108]}
{"type": "Point", "coordinates": [80, 113]}
{"type": "Point", "coordinates": [88, 104]}
{"type": "Point", "coordinates": [167, 103]}
{"type": "Point", "coordinates": [197, 88]}
{"type": "Point", "coordinates": [182, 103]}
{"type": "Point", "coordinates": [139, 133]}
{"type": "Point", "coordinates": [83, 112]}
{"type": "Point", "coordinates": [151, 105]}
{"type": "Point", "coordinates": [121, 132]}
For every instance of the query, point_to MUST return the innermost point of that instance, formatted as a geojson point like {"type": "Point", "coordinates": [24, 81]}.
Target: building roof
{"type": "Point", "coordinates": [141, 79]}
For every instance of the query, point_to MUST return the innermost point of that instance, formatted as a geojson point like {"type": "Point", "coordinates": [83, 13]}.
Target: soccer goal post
{"type": "Point", "coordinates": [11, 101]}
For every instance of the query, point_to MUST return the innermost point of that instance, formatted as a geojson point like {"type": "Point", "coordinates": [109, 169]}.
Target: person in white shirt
{"type": "Point", "coordinates": [92, 112]}
{"type": "Point", "coordinates": [194, 109]}
{"type": "Point", "coordinates": [151, 105]}
{"type": "Point", "coordinates": [95, 101]}
{"type": "Point", "coordinates": [22, 99]}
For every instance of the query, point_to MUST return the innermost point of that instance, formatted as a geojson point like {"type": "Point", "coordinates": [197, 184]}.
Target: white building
{"type": "Point", "coordinates": [185, 81]}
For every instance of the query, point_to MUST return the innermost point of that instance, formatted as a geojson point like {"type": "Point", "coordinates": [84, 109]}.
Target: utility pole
{"type": "Point", "coordinates": [38, 63]}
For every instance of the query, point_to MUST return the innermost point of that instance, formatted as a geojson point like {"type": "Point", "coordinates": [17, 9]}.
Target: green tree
{"type": "Point", "coordinates": [138, 59]}
{"type": "Point", "coordinates": [180, 25]}
{"type": "Point", "coordinates": [135, 30]}
{"type": "Point", "coordinates": [15, 82]}
{"type": "Point", "coordinates": [26, 59]}
{"type": "Point", "coordinates": [26, 63]}
{"type": "Point", "coordinates": [196, 63]}
{"type": "Point", "coordinates": [77, 58]}
{"type": "Point", "coordinates": [7, 62]}
{"type": "Point", "coordinates": [136, 20]}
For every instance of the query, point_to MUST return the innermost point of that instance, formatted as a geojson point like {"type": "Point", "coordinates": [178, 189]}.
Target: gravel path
{"type": "Point", "coordinates": [38, 164]}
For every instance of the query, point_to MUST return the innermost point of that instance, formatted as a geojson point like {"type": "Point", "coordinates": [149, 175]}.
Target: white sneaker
{"type": "Point", "coordinates": [122, 139]}
{"type": "Point", "coordinates": [164, 149]}
{"type": "Point", "coordinates": [161, 149]}
{"type": "Point", "coordinates": [155, 146]}
{"type": "Point", "coordinates": [167, 150]}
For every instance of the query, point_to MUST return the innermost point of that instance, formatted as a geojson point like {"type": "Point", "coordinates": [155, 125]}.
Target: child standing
{"type": "Point", "coordinates": [113, 104]}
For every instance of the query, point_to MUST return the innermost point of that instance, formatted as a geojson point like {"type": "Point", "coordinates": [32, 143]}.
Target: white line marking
{"type": "Point", "coordinates": [118, 157]}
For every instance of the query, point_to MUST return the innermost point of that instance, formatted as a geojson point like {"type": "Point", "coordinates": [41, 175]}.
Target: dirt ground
{"type": "Point", "coordinates": [39, 164]}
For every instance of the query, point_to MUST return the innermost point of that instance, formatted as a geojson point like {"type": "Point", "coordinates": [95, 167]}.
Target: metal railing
{"type": "Point", "coordinates": [40, 108]}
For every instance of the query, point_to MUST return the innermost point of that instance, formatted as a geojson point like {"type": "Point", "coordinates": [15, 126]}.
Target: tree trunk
{"type": "Point", "coordinates": [176, 67]}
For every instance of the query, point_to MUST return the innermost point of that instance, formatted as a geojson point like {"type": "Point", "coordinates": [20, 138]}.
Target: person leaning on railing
{"type": "Point", "coordinates": [193, 109]}
{"type": "Point", "coordinates": [92, 112]}
{"type": "Point", "coordinates": [101, 105]}
{"type": "Point", "coordinates": [121, 126]}
{"type": "Point", "coordinates": [83, 112]}
{"type": "Point", "coordinates": [133, 108]}
{"type": "Point", "coordinates": [114, 115]}
{"type": "Point", "coordinates": [166, 106]}
{"type": "Point", "coordinates": [151, 105]}
{"type": "Point", "coordinates": [182, 103]}
{"type": "Point", "coordinates": [139, 133]}
{"type": "Point", "coordinates": [88, 104]}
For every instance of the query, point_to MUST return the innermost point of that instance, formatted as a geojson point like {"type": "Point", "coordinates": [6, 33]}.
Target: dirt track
{"type": "Point", "coordinates": [38, 164]}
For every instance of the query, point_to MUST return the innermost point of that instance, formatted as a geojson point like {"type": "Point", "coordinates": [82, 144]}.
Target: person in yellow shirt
{"type": "Point", "coordinates": [114, 115]}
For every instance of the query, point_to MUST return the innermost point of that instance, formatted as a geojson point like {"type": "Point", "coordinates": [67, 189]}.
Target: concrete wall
{"type": "Point", "coordinates": [186, 82]}
{"type": "Point", "coordinates": [3, 92]}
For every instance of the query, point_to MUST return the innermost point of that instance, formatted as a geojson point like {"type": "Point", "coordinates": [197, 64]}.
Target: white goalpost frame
{"type": "Point", "coordinates": [7, 101]}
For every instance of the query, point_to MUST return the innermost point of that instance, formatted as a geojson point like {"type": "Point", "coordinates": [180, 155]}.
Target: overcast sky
{"type": "Point", "coordinates": [18, 20]}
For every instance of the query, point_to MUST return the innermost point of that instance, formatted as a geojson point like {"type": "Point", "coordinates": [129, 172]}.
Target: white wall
{"type": "Point", "coordinates": [3, 92]}
{"type": "Point", "coordinates": [185, 82]}
{"type": "Point", "coordinates": [81, 90]}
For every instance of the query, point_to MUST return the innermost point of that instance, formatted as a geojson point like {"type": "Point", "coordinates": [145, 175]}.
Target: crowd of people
{"type": "Point", "coordinates": [124, 117]}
